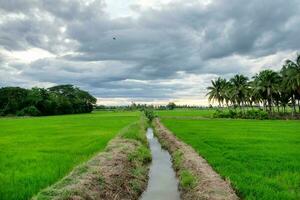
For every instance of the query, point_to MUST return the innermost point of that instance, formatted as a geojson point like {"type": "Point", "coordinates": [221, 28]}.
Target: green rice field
{"type": "Point", "coordinates": [260, 158]}
{"type": "Point", "coordinates": [36, 152]}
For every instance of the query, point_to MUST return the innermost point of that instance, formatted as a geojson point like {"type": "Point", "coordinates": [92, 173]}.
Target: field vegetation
{"type": "Point", "coordinates": [259, 157]}
{"type": "Point", "coordinates": [36, 152]}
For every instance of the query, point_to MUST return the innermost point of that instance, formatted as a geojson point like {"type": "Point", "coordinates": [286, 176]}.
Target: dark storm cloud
{"type": "Point", "coordinates": [153, 46]}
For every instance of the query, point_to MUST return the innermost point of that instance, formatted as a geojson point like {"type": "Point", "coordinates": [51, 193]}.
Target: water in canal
{"type": "Point", "coordinates": [162, 184]}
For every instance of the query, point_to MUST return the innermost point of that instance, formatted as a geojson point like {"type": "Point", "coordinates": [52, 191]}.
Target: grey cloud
{"type": "Point", "coordinates": [155, 46]}
{"type": "Point", "coordinates": [17, 5]}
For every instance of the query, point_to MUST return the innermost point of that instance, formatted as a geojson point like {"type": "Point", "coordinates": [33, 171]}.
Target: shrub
{"type": "Point", "coordinates": [249, 114]}
{"type": "Point", "coordinates": [142, 155]}
{"type": "Point", "coordinates": [171, 106]}
{"type": "Point", "coordinates": [256, 114]}
{"type": "Point", "coordinates": [177, 159]}
{"type": "Point", "coordinates": [29, 111]}
{"type": "Point", "coordinates": [232, 114]}
{"type": "Point", "coordinates": [225, 114]}
{"type": "Point", "coordinates": [187, 179]}
{"type": "Point", "coordinates": [149, 114]}
{"type": "Point", "coordinates": [240, 115]}
{"type": "Point", "coordinates": [218, 114]}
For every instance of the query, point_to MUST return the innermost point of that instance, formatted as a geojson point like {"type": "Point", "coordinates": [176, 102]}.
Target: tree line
{"type": "Point", "coordinates": [272, 90]}
{"type": "Point", "coordinates": [57, 100]}
{"type": "Point", "coordinates": [141, 107]}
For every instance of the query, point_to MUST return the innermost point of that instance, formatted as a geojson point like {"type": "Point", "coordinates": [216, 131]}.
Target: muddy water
{"type": "Point", "coordinates": [162, 184]}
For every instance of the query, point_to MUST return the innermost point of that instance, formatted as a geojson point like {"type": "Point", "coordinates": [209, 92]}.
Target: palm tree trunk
{"type": "Point", "coordinates": [294, 105]}
{"type": "Point", "coordinates": [269, 105]}
{"type": "Point", "coordinates": [242, 106]}
{"type": "Point", "coordinates": [269, 99]}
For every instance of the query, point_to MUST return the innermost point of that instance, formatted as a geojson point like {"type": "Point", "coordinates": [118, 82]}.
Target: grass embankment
{"type": "Point", "coordinates": [120, 172]}
{"type": "Point", "coordinates": [36, 152]}
{"type": "Point", "coordinates": [261, 158]}
{"type": "Point", "coordinates": [139, 158]}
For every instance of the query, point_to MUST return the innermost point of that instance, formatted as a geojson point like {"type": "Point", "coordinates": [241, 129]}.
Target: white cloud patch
{"type": "Point", "coordinates": [27, 56]}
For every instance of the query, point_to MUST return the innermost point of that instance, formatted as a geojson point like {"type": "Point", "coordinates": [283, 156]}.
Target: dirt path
{"type": "Point", "coordinates": [208, 184]}
{"type": "Point", "coordinates": [108, 175]}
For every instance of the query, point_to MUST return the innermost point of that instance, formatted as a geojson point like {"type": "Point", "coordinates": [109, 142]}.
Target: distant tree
{"type": "Point", "coordinates": [73, 100]}
{"type": "Point", "coordinates": [101, 107]}
{"type": "Point", "coordinates": [41, 99]}
{"type": "Point", "coordinates": [171, 106]}
{"type": "Point", "coordinates": [12, 99]}
{"type": "Point", "coordinates": [61, 99]}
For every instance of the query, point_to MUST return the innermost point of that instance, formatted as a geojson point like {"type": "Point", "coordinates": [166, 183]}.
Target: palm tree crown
{"type": "Point", "coordinates": [239, 85]}
{"type": "Point", "coordinates": [216, 90]}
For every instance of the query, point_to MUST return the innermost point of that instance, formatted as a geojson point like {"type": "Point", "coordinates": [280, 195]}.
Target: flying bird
{"type": "Point", "coordinates": [114, 38]}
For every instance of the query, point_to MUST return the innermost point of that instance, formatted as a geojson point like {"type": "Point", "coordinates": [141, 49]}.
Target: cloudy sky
{"type": "Point", "coordinates": [164, 50]}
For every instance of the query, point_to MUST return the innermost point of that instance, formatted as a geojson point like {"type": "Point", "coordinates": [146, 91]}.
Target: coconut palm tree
{"type": "Point", "coordinates": [259, 95]}
{"type": "Point", "coordinates": [216, 91]}
{"type": "Point", "coordinates": [291, 72]}
{"type": "Point", "coordinates": [252, 95]}
{"type": "Point", "coordinates": [268, 87]}
{"type": "Point", "coordinates": [284, 99]}
{"type": "Point", "coordinates": [267, 82]}
{"type": "Point", "coordinates": [226, 92]}
{"type": "Point", "coordinates": [239, 88]}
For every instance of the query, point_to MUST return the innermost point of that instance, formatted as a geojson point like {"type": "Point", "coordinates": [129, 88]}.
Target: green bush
{"type": "Point", "coordinates": [256, 114]}
{"type": "Point", "coordinates": [29, 111]}
{"type": "Point", "coordinates": [177, 159]}
{"type": "Point", "coordinates": [248, 114]}
{"type": "Point", "coordinates": [149, 114]}
{"type": "Point", "coordinates": [142, 155]}
{"type": "Point", "coordinates": [187, 179]}
{"type": "Point", "coordinates": [225, 114]}
{"type": "Point", "coordinates": [218, 114]}
{"type": "Point", "coordinates": [232, 114]}
{"type": "Point", "coordinates": [171, 106]}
